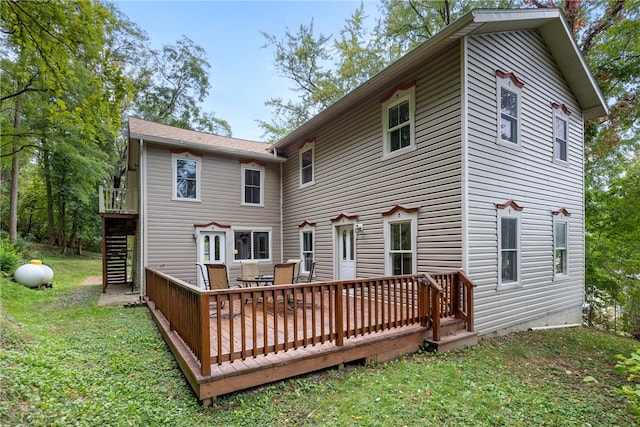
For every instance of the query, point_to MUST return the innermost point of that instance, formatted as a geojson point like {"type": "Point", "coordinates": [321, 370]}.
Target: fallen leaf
{"type": "Point", "coordinates": [427, 393]}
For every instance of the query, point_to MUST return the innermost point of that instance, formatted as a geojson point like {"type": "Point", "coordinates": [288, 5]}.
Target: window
{"type": "Point", "coordinates": [560, 243]}
{"type": "Point", "coordinates": [509, 244]}
{"type": "Point", "coordinates": [252, 244]}
{"type": "Point", "coordinates": [509, 94]}
{"type": "Point", "coordinates": [186, 176]}
{"type": "Point", "coordinates": [252, 184]}
{"type": "Point", "coordinates": [560, 132]}
{"type": "Point", "coordinates": [307, 245]}
{"type": "Point", "coordinates": [400, 240]}
{"type": "Point", "coordinates": [398, 121]}
{"type": "Point", "coordinates": [306, 164]}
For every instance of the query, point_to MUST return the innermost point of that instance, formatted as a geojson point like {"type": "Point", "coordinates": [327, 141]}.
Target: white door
{"type": "Point", "coordinates": [210, 251]}
{"type": "Point", "coordinates": [346, 254]}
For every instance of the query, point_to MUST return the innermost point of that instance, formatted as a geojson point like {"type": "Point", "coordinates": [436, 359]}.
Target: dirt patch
{"type": "Point", "coordinates": [92, 280]}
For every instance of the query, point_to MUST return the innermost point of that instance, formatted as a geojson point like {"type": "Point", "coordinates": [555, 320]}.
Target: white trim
{"type": "Point", "coordinates": [561, 218]}
{"type": "Point", "coordinates": [399, 217]}
{"type": "Point", "coordinates": [254, 167]}
{"type": "Point", "coordinates": [559, 114]}
{"type": "Point", "coordinates": [510, 213]}
{"type": "Point", "coordinates": [174, 165]}
{"type": "Point", "coordinates": [310, 145]}
{"type": "Point", "coordinates": [397, 98]}
{"type": "Point", "coordinates": [142, 217]}
{"type": "Point", "coordinates": [509, 85]}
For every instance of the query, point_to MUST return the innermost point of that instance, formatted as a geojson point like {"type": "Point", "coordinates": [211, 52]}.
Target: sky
{"type": "Point", "coordinates": [242, 75]}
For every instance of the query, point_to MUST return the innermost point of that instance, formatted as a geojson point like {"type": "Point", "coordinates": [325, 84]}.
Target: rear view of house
{"type": "Point", "coordinates": [467, 153]}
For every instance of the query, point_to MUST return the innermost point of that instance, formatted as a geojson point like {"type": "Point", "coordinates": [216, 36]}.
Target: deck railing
{"type": "Point", "coordinates": [244, 322]}
{"type": "Point", "coordinates": [117, 200]}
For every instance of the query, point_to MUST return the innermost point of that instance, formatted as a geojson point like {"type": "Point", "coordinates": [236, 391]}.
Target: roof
{"type": "Point", "coordinates": [549, 22]}
{"type": "Point", "coordinates": [151, 131]}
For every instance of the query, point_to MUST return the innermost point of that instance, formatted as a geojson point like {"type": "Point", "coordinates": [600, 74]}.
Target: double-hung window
{"type": "Point", "coordinates": [253, 184]}
{"type": "Point", "coordinates": [400, 240]}
{"type": "Point", "coordinates": [307, 245]}
{"type": "Point", "coordinates": [398, 120]}
{"type": "Point", "coordinates": [509, 219]}
{"type": "Point", "coordinates": [252, 244]}
{"type": "Point", "coordinates": [509, 96]}
{"type": "Point", "coordinates": [560, 243]}
{"type": "Point", "coordinates": [560, 133]}
{"type": "Point", "coordinates": [186, 176]}
{"type": "Point", "coordinates": [306, 164]}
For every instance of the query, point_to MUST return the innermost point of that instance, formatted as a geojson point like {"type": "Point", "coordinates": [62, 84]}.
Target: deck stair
{"type": "Point", "coordinates": [454, 335]}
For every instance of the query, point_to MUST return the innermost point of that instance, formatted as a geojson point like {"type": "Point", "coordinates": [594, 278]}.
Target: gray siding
{"type": "Point", "coordinates": [529, 176]}
{"type": "Point", "coordinates": [170, 223]}
{"type": "Point", "coordinates": [352, 177]}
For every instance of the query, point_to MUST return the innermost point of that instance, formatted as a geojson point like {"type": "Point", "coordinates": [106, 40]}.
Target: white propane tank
{"type": "Point", "coordinates": [29, 275]}
{"type": "Point", "coordinates": [48, 273]}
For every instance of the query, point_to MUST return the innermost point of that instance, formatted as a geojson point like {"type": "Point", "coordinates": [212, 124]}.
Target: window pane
{"type": "Point", "coordinates": [395, 236]}
{"type": "Point", "coordinates": [352, 246]}
{"type": "Point", "coordinates": [509, 230]}
{"type": "Point", "coordinates": [561, 261]}
{"type": "Point", "coordinates": [307, 174]}
{"type": "Point", "coordinates": [508, 129]}
{"type": "Point", "coordinates": [186, 168]}
{"type": "Point", "coordinates": [186, 178]}
{"type": "Point", "coordinates": [561, 235]}
{"type": "Point", "coordinates": [186, 189]}
{"type": "Point", "coordinates": [207, 250]}
{"type": "Point", "coordinates": [401, 263]}
{"type": "Point", "coordinates": [394, 140]}
{"type": "Point", "coordinates": [509, 266]}
{"type": "Point", "coordinates": [403, 112]}
{"type": "Point", "coordinates": [393, 117]}
{"type": "Point", "coordinates": [307, 241]}
{"type": "Point", "coordinates": [251, 186]}
{"type": "Point", "coordinates": [405, 136]}
{"type": "Point", "coordinates": [508, 102]}
{"type": "Point", "coordinates": [561, 150]}
{"type": "Point", "coordinates": [216, 248]}
{"type": "Point", "coordinates": [306, 158]}
{"type": "Point", "coordinates": [260, 245]}
{"type": "Point", "coordinates": [561, 129]}
{"type": "Point", "coordinates": [242, 245]}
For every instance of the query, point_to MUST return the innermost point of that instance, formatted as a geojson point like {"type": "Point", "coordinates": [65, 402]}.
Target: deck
{"type": "Point", "coordinates": [229, 340]}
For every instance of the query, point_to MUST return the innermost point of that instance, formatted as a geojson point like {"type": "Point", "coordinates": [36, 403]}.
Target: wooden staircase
{"type": "Point", "coordinates": [454, 335]}
{"type": "Point", "coordinates": [116, 258]}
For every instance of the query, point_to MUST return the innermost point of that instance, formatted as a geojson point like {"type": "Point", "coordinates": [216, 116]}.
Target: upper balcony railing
{"type": "Point", "coordinates": [118, 200]}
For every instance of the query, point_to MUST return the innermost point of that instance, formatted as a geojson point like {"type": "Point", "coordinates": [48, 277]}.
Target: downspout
{"type": "Point", "coordinates": [543, 328]}
{"type": "Point", "coordinates": [281, 217]}
{"type": "Point", "coordinates": [464, 153]}
{"type": "Point", "coordinates": [142, 218]}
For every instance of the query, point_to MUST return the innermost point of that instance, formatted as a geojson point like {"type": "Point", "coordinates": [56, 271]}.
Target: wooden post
{"type": "Point", "coordinates": [436, 298]}
{"type": "Point", "coordinates": [205, 335]}
{"type": "Point", "coordinates": [339, 315]}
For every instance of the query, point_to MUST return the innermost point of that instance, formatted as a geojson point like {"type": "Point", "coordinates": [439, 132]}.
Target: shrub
{"type": "Point", "coordinates": [9, 258]}
{"type": "Point", "coordinates": [631, 366]}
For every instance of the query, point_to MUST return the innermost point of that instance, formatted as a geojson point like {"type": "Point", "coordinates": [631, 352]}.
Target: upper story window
{"type": "Point", "coordinates": [398, 119]}
{"type": "Point", "coordinates": [186, 176]}
{"type": "Point", "coordinates": [253, 184]}
{"type": "Point", "coordinates": [307, 158]}
{"type": "Point", "coordinates": [509, 236]}
{"type": "Point", "coordinates": [509, 95]}
{"type": "Point", "coordinates": [560, 132]}
{"type": "Point", "coordinates": [560, 243]}
{"type": "Point", "coordinates": [401, 228]}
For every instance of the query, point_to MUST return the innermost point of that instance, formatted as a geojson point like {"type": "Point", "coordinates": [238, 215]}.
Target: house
{"type": "Point", "coordinates": [467, 153]}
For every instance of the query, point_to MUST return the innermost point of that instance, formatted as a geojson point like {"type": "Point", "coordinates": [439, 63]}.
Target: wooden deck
{"type": "Point", "coordinates": [235, 339]}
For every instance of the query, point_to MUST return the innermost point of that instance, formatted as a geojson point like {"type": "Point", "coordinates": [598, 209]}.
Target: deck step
{"type": "Point", "coordinates": [453, 341]}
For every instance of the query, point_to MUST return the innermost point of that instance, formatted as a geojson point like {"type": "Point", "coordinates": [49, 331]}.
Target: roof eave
{"type": "Point", "coordinates": [267, 156]}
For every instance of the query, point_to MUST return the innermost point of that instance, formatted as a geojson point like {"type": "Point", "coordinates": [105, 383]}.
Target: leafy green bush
{"type": "Point", "coordinates": [631, 366]}
{"type": "Point", "coordinates": [9, 258]}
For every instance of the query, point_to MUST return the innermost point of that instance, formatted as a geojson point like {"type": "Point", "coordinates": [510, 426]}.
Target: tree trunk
{"type": "Point", "coordinates": [51, 228]}
{"type": "Point", "coordinates": [15, 173]}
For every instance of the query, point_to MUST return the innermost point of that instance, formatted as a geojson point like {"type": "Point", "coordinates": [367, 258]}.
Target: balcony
{"type": "Point", "coordinates": [118, 201]}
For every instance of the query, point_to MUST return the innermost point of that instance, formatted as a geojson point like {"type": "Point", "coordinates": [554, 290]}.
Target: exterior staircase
{"type": "Point", "coordinates": [116, 259]}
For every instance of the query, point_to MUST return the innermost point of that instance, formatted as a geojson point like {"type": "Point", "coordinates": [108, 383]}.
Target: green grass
{"type": "Point", "coordinates": [66, 361]}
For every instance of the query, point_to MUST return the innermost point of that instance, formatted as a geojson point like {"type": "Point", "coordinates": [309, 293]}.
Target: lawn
{"type": "Point", "coordinates": [66, 361]}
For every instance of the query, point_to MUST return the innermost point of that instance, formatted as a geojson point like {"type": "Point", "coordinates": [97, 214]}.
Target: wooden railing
{"type": "Point", "coordinates": [247, 322]}
{"type": "Point", "coordinates": [117, 200]}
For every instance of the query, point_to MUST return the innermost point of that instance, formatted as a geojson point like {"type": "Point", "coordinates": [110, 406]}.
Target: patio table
{"type": "Point", "coordinates": [262, 280]}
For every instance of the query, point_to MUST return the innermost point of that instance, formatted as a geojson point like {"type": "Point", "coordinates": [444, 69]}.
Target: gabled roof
{"type": "Point", "coordinates": [178, 137]}
{"type": "Point", "coordinates": [549, 22]}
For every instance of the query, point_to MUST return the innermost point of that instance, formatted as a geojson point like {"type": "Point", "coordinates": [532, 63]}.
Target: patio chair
{"type": "Point", "coordinates": [203, 274]}
{"type": "Point", "coordinates": [296, 269]}
{"type": "Point", "coordinates": [283, 274]}
{"type": "Point", "coordinates": [250, 268]}
{"type": "Point", "coordinates": [312, 269]}
{"type": "Point", "coordinates": [218, 277]}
